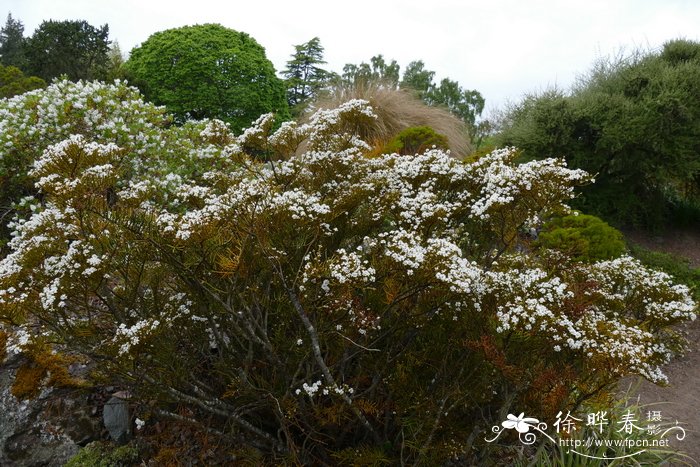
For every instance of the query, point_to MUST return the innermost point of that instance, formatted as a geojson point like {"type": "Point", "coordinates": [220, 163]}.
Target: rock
{"type": "Point", "coordinates": [44, 431]}
{"type": "Point", "coordinates": [116, 419]}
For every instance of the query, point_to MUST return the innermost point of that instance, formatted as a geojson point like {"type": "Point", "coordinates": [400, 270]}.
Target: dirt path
{"type": "Point", "coordinates": [680, 400]}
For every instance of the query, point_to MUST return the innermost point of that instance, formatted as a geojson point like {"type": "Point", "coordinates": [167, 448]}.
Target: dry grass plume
{"type": "Point", "coordinates": [398, 109]}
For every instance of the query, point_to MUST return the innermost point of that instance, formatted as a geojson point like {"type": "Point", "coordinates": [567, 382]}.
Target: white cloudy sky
{"type": "Point", "coordinates": [503, 48]}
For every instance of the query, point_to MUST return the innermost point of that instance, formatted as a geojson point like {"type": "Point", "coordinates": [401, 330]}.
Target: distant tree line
{"type": "Point", "coordinates": [73, 48]}
{"type": "Point", "coordinates": [208, 71]}
{"type": "Point", "coordinates": [306, 79]}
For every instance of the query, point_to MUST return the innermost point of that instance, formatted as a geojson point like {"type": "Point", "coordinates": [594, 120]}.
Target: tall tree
{"type": "Point", "coordinates": [303, 75]}
{"type": "Point", "coordinates": [73, 48]}
{"type": "Point", "coordinates": [12, 44]}
{"type": "Point", "coordinates": [467, 104]}
{"type": "Point", "coordinates": [208, 71]}
{"type": "Point", "coordinates": [115, 63]}
{"type": "Point", "coordinates": [377, 70]}
{"type": "Point", "coordinates": [418, 78]}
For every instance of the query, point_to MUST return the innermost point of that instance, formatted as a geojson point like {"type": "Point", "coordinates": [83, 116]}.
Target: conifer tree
{"type": "Point", "coordinates": [304, 77]}
{"type": "Point", "coordinates": [12, 44]}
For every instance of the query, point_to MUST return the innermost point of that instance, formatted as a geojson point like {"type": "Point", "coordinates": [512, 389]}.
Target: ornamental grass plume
{"type": "Point", "coordinates": [397, 109]}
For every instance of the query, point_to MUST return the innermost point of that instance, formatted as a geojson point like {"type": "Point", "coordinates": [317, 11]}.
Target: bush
{"type": "Point", "coordinates": [582, 237]}
{"type": "Point", "coordinates": [398, 110]}
{"type": "Point", "coordinates": [416, 140]}
{"type": "Point", "coordinates": [633, 122]}
{"type": "Point", "coordinates": [677, 267]}
{"type": "Point", "coordinates": [102, 113]}
{"type": "Point", "coordinates": [14, 82]}
{"type": "Point", "coordinates": [331, 306]}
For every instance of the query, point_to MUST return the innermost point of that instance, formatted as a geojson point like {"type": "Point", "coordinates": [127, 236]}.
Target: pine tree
{"type": "Point", "coordinates": [12, 44]}
{"type": "Point", "coordinates": [304, 78]}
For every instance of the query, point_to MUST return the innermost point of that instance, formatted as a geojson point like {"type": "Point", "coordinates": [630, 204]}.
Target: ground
{"type": "Point", "coordinates": [680, 400]}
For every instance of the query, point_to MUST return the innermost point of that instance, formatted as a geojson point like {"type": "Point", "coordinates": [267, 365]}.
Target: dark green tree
{"type": "Point", "coordinates": [208, 71]}
{"type": "Point", "coordinates": [12, 44]}
{"type": "Point", "coordinates": [303, 75]}
{"type": "Point", "coordinates": [635, 122]}
{"type": "Point", "coordinates": [73, 48]}
{"type": "Point", "coordinates": [14, 82]}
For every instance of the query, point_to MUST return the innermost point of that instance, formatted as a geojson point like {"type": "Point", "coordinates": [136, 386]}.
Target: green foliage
{"type": "Point", "coordinates": [416, 140]}
{"type": "Point", "coordinates": [72, 48]}
{"type": "Point", "coordinates": [12, 44]}
{"type": "Point", "coordinates": [99, 454]}
{"type": "Point", "coordinates": [115, 63]}
{"type": "Point", "coordinates": [377, 71]}
{"type": "Point", "coordinates": [13, 82]}
{"type": "Point", "coordinates": [466, 104]}
{"type": "Point", "coordinates": [673, 265]}
{"type": "Point", "coordinates": [303, 77]}
{"type": "Point", "coordinates": [208, 71]}
{"type": "Point", "coordinates": [582, 237]}
{"type": "Point", "coordinates": [633, 122]}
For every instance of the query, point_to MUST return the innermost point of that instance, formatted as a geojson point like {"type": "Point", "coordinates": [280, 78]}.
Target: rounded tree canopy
{"type": "Point", "coordinates": [208, 71]}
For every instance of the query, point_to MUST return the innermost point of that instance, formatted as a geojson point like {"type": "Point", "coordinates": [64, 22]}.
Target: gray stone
{"type": "Point", "coordinates": [116, 419]}
{"type": "Point", "coordinates": [44, 431]}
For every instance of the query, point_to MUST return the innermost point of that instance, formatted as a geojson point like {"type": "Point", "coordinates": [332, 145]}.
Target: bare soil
{"type": "Point", "coordinates": [680, 400]}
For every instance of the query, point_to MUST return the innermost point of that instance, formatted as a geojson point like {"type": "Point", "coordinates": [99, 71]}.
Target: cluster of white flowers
{"type": "Point", "coordinates": [299, 204]}
{"type": "Point", "coordinates": [18, 338]}
{"type": "Point", "coordinates": [312, 389]}
{"type": "Point", "coordinates": [93, 164]}
{"type": "Point", "coordinates": [350, 267]}
{"type": "Point", "coordinates": [505, 183]}
{"type": "Point", "coordinates": [106, 112]}
{"type": "Point", "coordinates": [629, 289]}
{"type": "Point", "coordinates": [130, 336]}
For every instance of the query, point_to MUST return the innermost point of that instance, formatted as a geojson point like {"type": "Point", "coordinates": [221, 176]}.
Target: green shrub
{"type": "Point", "coordinates": [582, 237]}
{"type": "Point", "coordinates": [416, 140]}
{"type": "Point", "coordinates": [14, 82]}
{"type": "Point", "coordinates": [633, 122]}
{"type": "Point", "coordinates": [208, 71]}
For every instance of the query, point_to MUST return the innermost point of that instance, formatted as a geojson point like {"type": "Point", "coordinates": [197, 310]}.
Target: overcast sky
{"type": "Point", "coordinates": [502, 48]}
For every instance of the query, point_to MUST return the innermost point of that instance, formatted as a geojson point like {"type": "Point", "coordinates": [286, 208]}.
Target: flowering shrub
{"type": "Point", "coordinates": [328, 306]}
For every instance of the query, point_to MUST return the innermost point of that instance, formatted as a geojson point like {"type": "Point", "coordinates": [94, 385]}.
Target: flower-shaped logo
{"type": "Point", "coordinates": [520, 423]}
